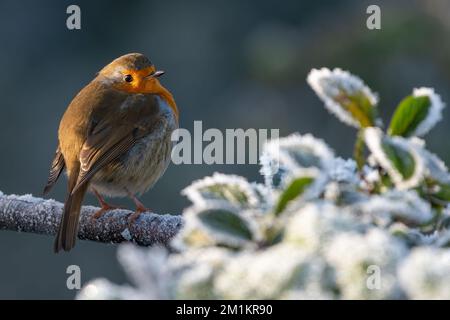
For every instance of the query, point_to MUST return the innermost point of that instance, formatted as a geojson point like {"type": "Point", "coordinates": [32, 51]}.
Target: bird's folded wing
{"type": "Point", "coordinates": [112, 132]}
{"type": "Point", "coordinates": [104, 144]}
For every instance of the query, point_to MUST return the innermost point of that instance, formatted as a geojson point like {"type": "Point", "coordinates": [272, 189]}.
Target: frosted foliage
{"type": "Point", "coordinates": [320, 227]}
{"type": "Point", "coordinates": [351, 254]}
{"type": "Point", "coordinates": [425, 274]}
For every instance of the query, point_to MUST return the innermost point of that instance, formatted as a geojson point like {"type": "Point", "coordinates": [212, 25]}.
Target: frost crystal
{"type": "Point", "coordinates": [434, 114]}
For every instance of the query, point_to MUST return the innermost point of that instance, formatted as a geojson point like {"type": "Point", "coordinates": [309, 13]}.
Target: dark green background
{"type": "Point", "coordinates": [231, 64]}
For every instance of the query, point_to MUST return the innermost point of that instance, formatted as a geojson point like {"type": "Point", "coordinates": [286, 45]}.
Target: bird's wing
{"type": "Point", "coordinates": [57, 167]}
{"type": "Point", "coordinates": [107, 139]}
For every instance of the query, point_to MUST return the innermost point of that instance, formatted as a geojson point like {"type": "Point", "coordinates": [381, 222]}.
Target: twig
{"type": "Point", "coordinates": [35, 215]}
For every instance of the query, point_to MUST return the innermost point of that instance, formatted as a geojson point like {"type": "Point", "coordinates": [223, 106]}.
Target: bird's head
{"type": "Point", "coordinates": [133, 73]}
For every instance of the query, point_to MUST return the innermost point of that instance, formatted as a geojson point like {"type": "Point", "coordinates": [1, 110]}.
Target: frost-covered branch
{"type": "Point", "coordinates": [36, 215]}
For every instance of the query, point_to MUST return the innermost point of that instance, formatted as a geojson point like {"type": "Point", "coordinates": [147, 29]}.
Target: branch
{"type": "Point", "coordinates": [35, 215]}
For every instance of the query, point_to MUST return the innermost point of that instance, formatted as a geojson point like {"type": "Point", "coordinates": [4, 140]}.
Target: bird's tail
{"type": "Point", "coordinates": [68, 228]}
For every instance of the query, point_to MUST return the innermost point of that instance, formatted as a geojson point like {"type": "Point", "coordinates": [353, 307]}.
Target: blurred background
{"type": "Point", "coordinates": [231, 64]}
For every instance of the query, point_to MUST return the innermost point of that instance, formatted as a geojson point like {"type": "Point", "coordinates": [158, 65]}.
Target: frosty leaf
{"type": "Point", "coordinates": [441, 192]}
{"type": "Point", "coordinates": [346, 96]}
{"type": "Point", "coordinates": [394, 205]}
{"type": "Point", "coordinates": [411, 237]}
{"type": "Point", "coordinates": [435, 168]}
{"type": "Point", "coordinates": [417, 114]}
{"type": "Point", "coordinates": [216, 225]}
{"type": "Point", "coordinates": [284, 156]}
{"type": "Point", "coordinates": [408, 116]}
{"type": "Point", "coordinates": [226, 222]}
{"type": "Point", "coordinates": [300, 186]}
{"type": "Point", "coordinates": [230, 189]}
{"type": "Point", "coordinates": [294, 189]}
{"type": "Point", "coordinates": [399, 157]}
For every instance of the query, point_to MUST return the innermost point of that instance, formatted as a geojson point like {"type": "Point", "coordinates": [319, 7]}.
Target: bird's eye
{"type": "Point", "coordinates": [128, 78]}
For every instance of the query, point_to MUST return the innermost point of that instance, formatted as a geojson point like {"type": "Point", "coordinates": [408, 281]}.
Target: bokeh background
{"type": "Point", "coordinates": [231, 64]}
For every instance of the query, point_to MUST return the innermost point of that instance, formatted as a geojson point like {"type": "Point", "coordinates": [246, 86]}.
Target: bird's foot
{"type": "Point", "coordinates": [135, 215]}
{"type": "Point", "coordinates": [105, 208]}
{"type": "Point", "coordinates": [140, 208]}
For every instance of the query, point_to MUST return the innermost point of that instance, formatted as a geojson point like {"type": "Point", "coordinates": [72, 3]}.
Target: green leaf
{"type": "Point", "coordinates": [401, 159]}
{"type": "Point", "coordinates": [409, 114]}
{"type": "Point", "coordinates": [292, 191]}
{"type": "Point", "coordinates": [359, 107]}
{"type": "Point", "coordinates": [225, 222]}
{"type": "Point", "coordinates": [443, 192]}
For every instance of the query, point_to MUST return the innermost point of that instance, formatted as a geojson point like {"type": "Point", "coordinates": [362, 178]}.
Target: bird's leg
{"type": "Point", "coordinates": [105, 206]}
{"type": "Point", "coordinates": [140, 207]}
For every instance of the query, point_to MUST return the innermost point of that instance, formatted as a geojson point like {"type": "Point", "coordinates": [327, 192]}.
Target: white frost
{"type": "Point", "coordinates": [351, 254]}
{"type": "Point", "coordinates": [434, 112]}
{"type": "Point", "coordinates": [403, 205]}
{"type": "Point", "coordinates": [374, 139]}
{"type": "Point", "coordinates": [204, 191]}
{"type": "Point", "coordinates": [328, 85]}
{"type": "Point", "coordinates": [295, 151]}
{"type": "Point", "coordinates": [425, 274]}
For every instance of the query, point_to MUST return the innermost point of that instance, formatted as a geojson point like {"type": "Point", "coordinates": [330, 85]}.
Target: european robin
{"type": "Point", "coordinates": [114, 139]}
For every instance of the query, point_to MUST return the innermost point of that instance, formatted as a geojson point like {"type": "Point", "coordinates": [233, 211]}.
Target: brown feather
{"type": "Point", "coordinates": [55, 170]}
{"type": "Point", "coordinates": [68, 227]}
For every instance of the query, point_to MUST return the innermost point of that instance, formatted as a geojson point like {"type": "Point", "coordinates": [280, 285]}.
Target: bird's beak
{"type": "Point", "coordinates": [156, 74]}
